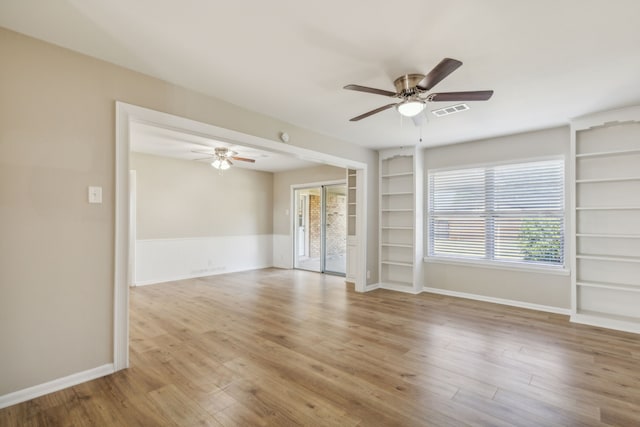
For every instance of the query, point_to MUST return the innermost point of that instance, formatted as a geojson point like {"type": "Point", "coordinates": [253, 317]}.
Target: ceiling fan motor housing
{"type": "Point", "coordinates": [406, 85]}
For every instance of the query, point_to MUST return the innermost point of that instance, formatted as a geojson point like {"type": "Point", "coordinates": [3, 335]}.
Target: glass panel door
{"type": "Point", "coordinates": [308, 229]}
{"type": "Point", "coordinates": [335, 229]}
{"type": "Point", "coordinates": [320, 229]}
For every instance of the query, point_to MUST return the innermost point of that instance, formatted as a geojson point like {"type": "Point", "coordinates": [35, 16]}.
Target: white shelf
{"type": "Point", "coordinates": [397, 228]}
{"type": "Point", "coordinates": [598, 180]}
{"type": "Point", "coordinates": [609, 236]}
{"type": "Point", "coordinates": [399, 193]}
{"type": "Point", "coordinates": [397, 245]}
{"type": "Point", "coordinates": [394, 175]}
{"type": "Point", "coordinates": [352, 203]}
{"type": "Point", "coordinates": [609, 258]}
{"type": "Point", "coordinates": [614, 286]}
{"type": "Point", "coordinates": [608, 153]}
{"type": "Point", "coordinates": [352, 215]}
{"type": "Point", "coordinates": [396, 210]}
{"type": "Point", "coordinates": [400, 263]}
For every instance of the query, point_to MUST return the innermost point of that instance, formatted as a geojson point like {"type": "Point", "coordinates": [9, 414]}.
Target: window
{"type": "Point", "coordinates": [505, 213]}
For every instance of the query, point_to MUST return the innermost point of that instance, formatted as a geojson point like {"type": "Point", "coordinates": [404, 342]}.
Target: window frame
{"type": "Point", "coordinates": [492, 263]}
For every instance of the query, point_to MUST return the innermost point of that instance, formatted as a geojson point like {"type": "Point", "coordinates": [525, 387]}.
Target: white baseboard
{"type": "Point", "coordinates": [55, 385]}
{"type": "Point", "coordinates": [195, 276]}
{"type": "Point", "coordinates": [398, 288]}
{"type": "Point", "coordinates": [608, 323]}
{"type": "Point", "coordinates": [513, 303]}
{"type": "Point", "coordinates": [372, 287]}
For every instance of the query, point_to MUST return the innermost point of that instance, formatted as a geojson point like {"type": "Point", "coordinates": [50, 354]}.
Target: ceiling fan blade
{"type": "Point", "coordinates": [439, 72]}
{"type": "Point", "coordinates": [477, 95]}
{"type": "Point", "coordinates": [372, 112]}
{"type": "Point", "coordinates": [243, 159]}
{"type": "Point", "coordinates": [370, 90]}
{"type": "Point", "coordinates": [203, 158]}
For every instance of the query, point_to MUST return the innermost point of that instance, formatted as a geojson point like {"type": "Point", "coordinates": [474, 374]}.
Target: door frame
{"type": "Point", "coordinates": [321, 185]}
{"type": "Point", "coordinates": [127, 113]}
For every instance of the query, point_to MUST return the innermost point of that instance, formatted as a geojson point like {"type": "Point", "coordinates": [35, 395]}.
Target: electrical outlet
{"type": "Point", "coordinates": [368, 274]}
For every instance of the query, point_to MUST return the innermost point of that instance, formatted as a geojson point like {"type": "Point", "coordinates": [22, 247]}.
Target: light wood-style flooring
{"type": "Point", "coordinates": [282, 348]}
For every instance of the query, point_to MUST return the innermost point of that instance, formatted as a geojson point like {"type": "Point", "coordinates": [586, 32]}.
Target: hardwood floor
{"type": "Point", "coordinates": [277, 347]}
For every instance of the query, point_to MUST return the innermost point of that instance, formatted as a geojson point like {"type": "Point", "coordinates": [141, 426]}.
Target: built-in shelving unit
{"type": "Point", "coordinates": [606, 220]}
{"type": "Point", "coordinates": [351, 202]}
{"type": "Point", "coordinates": [400, 219]}
{"type": "Point", "coordinates": [352, 243]}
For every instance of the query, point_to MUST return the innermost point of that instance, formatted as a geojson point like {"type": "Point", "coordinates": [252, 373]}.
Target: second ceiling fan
{"type": "Point", "coordinates": [412, 88]}
{"type": "Point", "coordinates": [221, 157]}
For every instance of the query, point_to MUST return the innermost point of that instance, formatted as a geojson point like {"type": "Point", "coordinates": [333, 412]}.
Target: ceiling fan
{"type": "Point", "coordinates": [411, 88]}
{"type": "Point", "coordinates": [222, 156]}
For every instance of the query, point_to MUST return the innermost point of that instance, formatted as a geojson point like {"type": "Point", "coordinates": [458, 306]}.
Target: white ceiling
{"type": "Point", "coordinates": [150, 139]}
{"type": "Point", "coordinates": [547, 60]}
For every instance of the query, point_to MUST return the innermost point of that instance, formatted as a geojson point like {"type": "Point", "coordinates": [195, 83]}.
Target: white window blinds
{"type": "Point", "coordinates": [510, 213]}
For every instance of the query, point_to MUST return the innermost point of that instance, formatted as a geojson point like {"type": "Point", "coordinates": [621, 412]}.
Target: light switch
{"type": "Point", "coordinates": [95, 194]}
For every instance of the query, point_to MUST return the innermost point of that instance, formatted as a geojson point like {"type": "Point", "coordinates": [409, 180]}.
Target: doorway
{"type": "Point", "coordinates": [320, 229]}
{"type": "Point", "coordinates": [127, 114]}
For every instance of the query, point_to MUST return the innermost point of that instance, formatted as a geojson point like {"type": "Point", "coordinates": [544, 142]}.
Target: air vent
{"type": "Point", "coordinates": [450, 110]}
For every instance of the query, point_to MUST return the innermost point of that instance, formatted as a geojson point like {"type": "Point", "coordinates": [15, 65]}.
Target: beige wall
{"type": "Point", "coordinates": [181, 198]}
{"type": "Point", "coordinates": [529, 287]}
{"type": "Point", "coordinates": [57, 137]}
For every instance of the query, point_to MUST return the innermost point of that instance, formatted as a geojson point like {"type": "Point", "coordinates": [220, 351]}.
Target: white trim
{"type": "Point", "coordinates": [55, 385]}
{"type": "Point", "coordinates": [498, 265]}
{"type": "Point", "coordinates": [189, 276]}
{"type": "Point", "coordinates": [180, 239]}
{"type": "Point", "coordinates": [185, 125]}
{"type": "Point", "coordinates": [502, 301]}
{"type": "Point", "coordinates": [361, 229]}
{"type": "Point", "coordinates": [572, 241]}
{"type": "Point", "coordinates": [372, 287]}
{"type": "Point", "coordinates": [121, 240]}
{"type": "Point", "coordinates": [317, 184]}
{"type": "Point", "coordinates": [606, 322]}
{"type": "Point", "coordinates": [131, 273]}
{"type": "Point", "coordinates": [407, 289]}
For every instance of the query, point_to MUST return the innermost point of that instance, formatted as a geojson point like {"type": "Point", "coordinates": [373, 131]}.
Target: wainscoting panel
{"type": "Point", "coordinates": [163, 260]}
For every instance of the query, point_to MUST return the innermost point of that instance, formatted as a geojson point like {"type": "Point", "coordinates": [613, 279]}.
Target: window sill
{"type": "Point", "coordinates": [523, 268]}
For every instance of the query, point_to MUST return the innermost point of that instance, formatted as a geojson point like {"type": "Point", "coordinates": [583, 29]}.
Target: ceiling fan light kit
{"type": "Point", "coordinates": [410, 107]}
{"type": "Point", "coordinates": [222, 157]}
{"type": "Point", "coordinates": [221, 164]}
{"type": "Point", "coordinates": [412, 90]}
